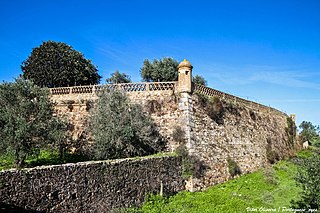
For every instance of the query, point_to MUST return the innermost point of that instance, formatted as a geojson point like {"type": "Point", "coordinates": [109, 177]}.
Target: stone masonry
{"type": "Point", "coordinates": [249, 133]}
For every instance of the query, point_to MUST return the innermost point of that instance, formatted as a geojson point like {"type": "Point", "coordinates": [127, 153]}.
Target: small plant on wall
{"type": "Point", "coordinates": [291, 130]}
{"type": "Point", "coordinates": [213, 107]}
{"type": "Point", "coordinates": [178, 135]}
{"type": "Point", "coordinates": [233, 167]}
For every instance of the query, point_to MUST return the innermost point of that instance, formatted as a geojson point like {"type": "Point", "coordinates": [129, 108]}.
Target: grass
{"type": "Point", "coordinates": [46, 157]}
{"type": "Point", "coordinates": [51, 157]}
{"type": "Point", "coordinates": [270, 188]}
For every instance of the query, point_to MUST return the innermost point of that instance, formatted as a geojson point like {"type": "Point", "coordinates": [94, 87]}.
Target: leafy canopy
{"type": "Point", "coordinates": [118, 78]}
{"type": "Point", "coordinates": [121, 129]}
{"type": "Point", "coordinates": [308, 178]}
{"type": "Point", "coordinates": [197, 79]}
{"type": "Point", "coordinates": [56, 64]}
{"type": "Point", "coordinates": [27, 123]}
{"type": "Point", "coordinates": [165, 69]}
{"type": "Point", "coordinates": [309, 132]}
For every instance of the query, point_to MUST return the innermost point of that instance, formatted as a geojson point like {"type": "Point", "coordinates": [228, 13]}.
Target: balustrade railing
{"type": "Point", "coordinates": [157, 86]}
{"type": "Point", "coordinates": [253, 105]}
{"type": "Point", "coordinates": [128, 87]}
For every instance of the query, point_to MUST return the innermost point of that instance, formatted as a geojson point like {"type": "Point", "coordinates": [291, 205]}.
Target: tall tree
{"type": "Point", "coordinates": [27, 123]}
{"type": "Point", "coordinates": [309, 132]}
{"type": "Point", "coordinates": [121, 129]}
{"type": "Point", "coordinates": [118, 78]}
{"type": "Point", "coordinates": [56, 64]}
{"type": "Point", "coordinates": [165, 69]}
{"type": "Point", "coordinates": [199, 80]}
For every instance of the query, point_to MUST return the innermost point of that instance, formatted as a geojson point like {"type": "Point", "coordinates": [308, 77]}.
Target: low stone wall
{"type": "Point", "coordinates": [97, 186]}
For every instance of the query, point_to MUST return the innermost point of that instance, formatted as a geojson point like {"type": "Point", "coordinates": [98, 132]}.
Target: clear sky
{"type": "Point", "coordinates": [265, 51]}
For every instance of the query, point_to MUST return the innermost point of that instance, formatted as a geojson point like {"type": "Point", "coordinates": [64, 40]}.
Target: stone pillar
{"type": "Point", "coordinates": [185, 77]}
{"type": "Point", "coordinates": [186, 109]}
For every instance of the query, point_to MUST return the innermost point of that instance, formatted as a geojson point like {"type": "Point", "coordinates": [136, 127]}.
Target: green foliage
{"type": "Point", "coordinates": [186, 161]}
{"type": "Point", "coordinates": [27, 123]}
{"type": "Point", "coordinates": [165, 69]}
{"type": "Point", "coordinates": [191, 165]}
{"type": "Point", "coordinates": [56, 64]}
{"type": "Point", "coordinates": [251, 190]}
{"type": "Point", "coordinates": [233, 167]}
{"type": "Point", "coordinates": [197, 79]}
{"type": "Point", "coordinates": [308, 178]}
{"type": "Point", "coordinates": [121, 129]}
{"type": "Point", "coordinates": [118, 78]}
{"type": "Point", "coordinates": [45, 157]}
{"type": "Point", "coordinates": [291, 130]}
{"type": "Point", "coordinates": [310, 133]}
{"type": "Point", "coordinates": [272, 156]}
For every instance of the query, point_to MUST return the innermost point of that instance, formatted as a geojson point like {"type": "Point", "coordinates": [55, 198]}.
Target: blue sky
{"type": "Point", "coordinates": [265, 51]}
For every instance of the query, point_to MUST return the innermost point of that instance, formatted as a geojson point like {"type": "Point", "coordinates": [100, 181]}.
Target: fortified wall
{"type": "Point", "coordinates": [225, 135]}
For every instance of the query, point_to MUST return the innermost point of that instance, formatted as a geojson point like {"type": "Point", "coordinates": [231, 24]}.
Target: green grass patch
{"type": "Point", "coordinates": [305, 153]}
{"type": "Point", "coordinates": [269, 188]}
{"type": "Point", "coordinates": [45, 157]}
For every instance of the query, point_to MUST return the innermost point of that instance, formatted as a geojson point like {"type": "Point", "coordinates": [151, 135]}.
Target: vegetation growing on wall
{"type": "Point", "coordinates": [213, 107]}
{"type": "Point", "coordinates": [272, 156]}
{"type": "Point", "coordinates": [233, 167]}
{"type": "Point", "coordinates": [291, 130]}
{"type": "Point", "coordinates": [191, 165]}
{"type": "Point", "coordinates": [178, 135]}
{"type": "Point", "coordinates": [152, 106]}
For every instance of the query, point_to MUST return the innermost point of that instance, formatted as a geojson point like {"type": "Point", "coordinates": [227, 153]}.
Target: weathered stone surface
{"type": "Point", "coordinates": [243, 136]}
{"type": "Point", "coordinates": [247, 132]}
{"type": "Point", "coordinates": [90, 186]}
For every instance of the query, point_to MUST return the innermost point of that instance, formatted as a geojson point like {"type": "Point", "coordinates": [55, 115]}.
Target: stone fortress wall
{"type": "Point", "coordinates": [218, 128]}
{"type": "Point", "coordinates": [249, 133]}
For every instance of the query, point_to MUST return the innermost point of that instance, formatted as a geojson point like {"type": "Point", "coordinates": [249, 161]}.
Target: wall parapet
{"type": "Point", "coordinates": [160, 86]}
{"type": "Point", "coordinates": [225, 96]}
{"type": "Point", "coordinates": [127, 87]}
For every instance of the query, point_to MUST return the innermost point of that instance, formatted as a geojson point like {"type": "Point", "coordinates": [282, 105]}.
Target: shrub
{"type": "Point", "coordinates": [272, 156]}
{"type": "Point", "coordinates": [308, 178]}
{"type": "Point", "coordinates": [178, 135]}
{"type": "Point", "coordinates": [121, 129]}
{"type": "Point", "coordinates": [152, 106]}
{"type": "Point", "coordinates": [191, 165]}
{"type": "Point", "coordinates": [27, 123]}
{"type": "Point", "coordinates": [233, 167]}
{"type": "Point", "coordinates": [291, 130]}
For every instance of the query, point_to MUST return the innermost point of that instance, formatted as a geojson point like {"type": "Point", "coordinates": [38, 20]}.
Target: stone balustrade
{"type": "Point", "coordinates": [127, 87]}
{"type": "Point", "coordinates": [250, 104]}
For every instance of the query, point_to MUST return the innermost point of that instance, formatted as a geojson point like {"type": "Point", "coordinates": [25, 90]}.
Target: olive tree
{"type": "Point", "coordinates": [27, 123]}
{"type": "Point", "coordinates": [199, 80]}
{"type": "Point", "coordinates": [117, 78]}
{"type": "Point", "coordinates": [121, 129]}
{"type": "Point", "coordinates": [165, 69]}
